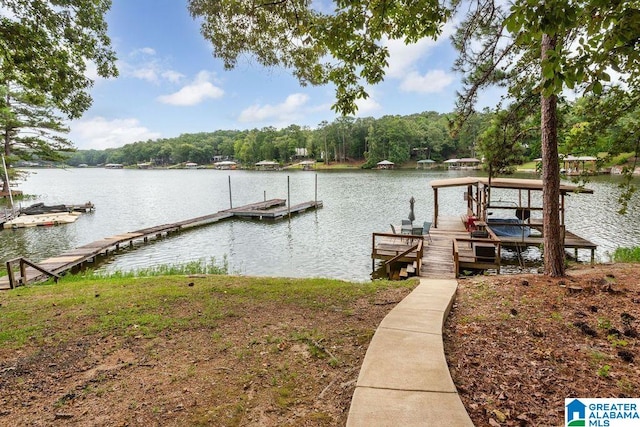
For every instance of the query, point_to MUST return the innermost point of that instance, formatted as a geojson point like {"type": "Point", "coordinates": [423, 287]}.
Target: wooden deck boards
{"type": "Point", "coordinates": [438, 262]}
{"type": "Point", "coordinates": [269, 209]}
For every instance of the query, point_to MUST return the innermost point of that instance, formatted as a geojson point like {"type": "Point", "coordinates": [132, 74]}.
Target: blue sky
{"type": "Point", "coordinates": [170, 84]}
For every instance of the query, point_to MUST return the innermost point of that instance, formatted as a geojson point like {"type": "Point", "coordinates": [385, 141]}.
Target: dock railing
{"type": "Point", "coordinates": [23, 263]}
{"type": "Point", "coordinates": [397, 248]}
{"type": "Point", "coordinates": [476, 253]}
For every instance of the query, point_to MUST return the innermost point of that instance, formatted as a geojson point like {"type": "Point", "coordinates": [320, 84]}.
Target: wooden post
{"type": "Point", "coordinates": [10, 275]}
{"type": "Point", "coordinates": [288, 197]}
{"type": "Point", "coordinates": [23, 272]}
{"type": "Point", "coordinates": [435, 208]}
{"type": "Point", "coordinates": [230, 198]}
{"type": "Point", "coordinates": [316, 196]}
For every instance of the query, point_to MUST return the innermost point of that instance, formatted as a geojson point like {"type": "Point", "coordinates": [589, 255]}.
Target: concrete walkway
{"type": "Point", "coordinates": [404, 379]}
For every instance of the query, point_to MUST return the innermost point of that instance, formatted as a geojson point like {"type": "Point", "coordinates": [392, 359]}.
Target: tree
{"type": "Point", "coordinates": [30, 129]}
{"type": "Point", "coordinates": [47, 46]}
{"type": "Point", "coordinates": [342, 47]}
{"type": "Point", "coordinates": [545, 48]}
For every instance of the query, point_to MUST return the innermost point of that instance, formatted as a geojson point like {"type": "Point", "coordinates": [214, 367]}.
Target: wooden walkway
{"type": "Point", "coordinates": [437, 262]}
{"type": "Point", "coordinates": [273, 209]}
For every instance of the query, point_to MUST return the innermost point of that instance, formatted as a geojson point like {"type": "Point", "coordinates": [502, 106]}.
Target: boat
{"type": "Point", "coordinates": [45, 219]}
{"type": "Point", "coordinates": [40, 214]}
{"type": "Point", "coordinates": [41, 208]}
{"type": "Point", "coordinates": [509, 226]}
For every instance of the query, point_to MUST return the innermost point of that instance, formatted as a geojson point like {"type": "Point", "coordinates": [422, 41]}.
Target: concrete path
{"type": "Point", "coordinates": [404, 379]}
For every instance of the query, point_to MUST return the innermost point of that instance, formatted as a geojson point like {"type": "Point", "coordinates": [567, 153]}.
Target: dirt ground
{"type": "Point", "coordinates": [516, 345]}
{"type": "Point", "coordinates": [265, 364]}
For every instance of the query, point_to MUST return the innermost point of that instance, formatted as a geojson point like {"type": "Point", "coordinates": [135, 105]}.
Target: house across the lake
{"type": "Point", "coordinates": [385, 164]}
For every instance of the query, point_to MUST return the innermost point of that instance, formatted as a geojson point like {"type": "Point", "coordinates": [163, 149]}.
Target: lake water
{"type": "Point", "coordinates": [334, 241]}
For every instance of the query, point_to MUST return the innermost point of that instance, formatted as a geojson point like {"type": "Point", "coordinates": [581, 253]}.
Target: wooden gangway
{"type": "Point", "coordinates": [30, 272]}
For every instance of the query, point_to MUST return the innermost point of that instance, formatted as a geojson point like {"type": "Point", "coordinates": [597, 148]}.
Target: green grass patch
{"type": "Point", "coordinates": [627, 254]}
{"type": "Point", "coordinates": [621, 159]}
{"type": "Point", "coordinates": [528, 166]}
{"type": "Point", "coordinates": [146, 306]}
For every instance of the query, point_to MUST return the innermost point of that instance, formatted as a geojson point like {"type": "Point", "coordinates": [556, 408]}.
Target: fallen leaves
{"type": "Point", "coordinates": [517, 346]}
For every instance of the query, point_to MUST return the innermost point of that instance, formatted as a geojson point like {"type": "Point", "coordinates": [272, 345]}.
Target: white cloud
{"type": "Point", "coordinates": [173, 76]}
{"type": "Point", "coordinates": [403, 57]}
{"type": "Point", "coordinates": [194, 93]}
{"type": "Point", "coordinates": [99, 133]}
{"type": "Point", "coordinates": [143, 64]}
{"type": "Point", "coordinates": [147, 72]}
{"type": "Point", "coordinates": [287, 111]}
{"type": "Point", "coordinates": [149, 51]}
{"type": "Point", "coordinates": [368, 106]}
{"type": "Point", "coordinates": [432, 82]}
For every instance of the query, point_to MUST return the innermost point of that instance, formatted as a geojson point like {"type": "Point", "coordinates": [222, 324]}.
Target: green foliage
{"type": "Point", "coordinates": [501, 143]}
{"type": "Point", "coordinates": [397, 138]}
{"type": "Point", "coordinates": [621, 159]}
{"type": "Point", "coordinates": [30, 129]}
{"type": "Point", "coordinates": [47, 46]}
{"type": "Point", "coordinates": [604, 371]}
{"type": "Point", "coordinates": [192, 267]}
{"type": "Point", "coordinates": [627, 254]}
{"type": "Point", "coordinates": [341, 45]}
{"type": "Point", "coordinates": [45, 49]}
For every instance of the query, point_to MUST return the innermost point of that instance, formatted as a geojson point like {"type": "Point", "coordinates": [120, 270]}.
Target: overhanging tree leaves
{"type": "Point", "coordinates": [343, 46]}
{"type": "Point", "coordinates": [545, 48]}
{"type": "Point", "coordinates": [45, 50]}
{"type": "Point", "coordinates": [46, 46]}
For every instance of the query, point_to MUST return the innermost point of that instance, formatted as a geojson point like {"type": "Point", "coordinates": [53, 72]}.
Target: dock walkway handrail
{"type": "Point", "coordinates": [23, 271]}
{"type": "Point", "coordinates": [416, 248]}
{"type": "Point", "coordinates": [391, 255]}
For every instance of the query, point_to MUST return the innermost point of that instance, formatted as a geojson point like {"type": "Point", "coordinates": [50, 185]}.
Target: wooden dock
{"type": "Point", "coordinates": [30, 272]}
{"type": "Point", "coordinates": [438, 260]}
{"type": "Point", "coordinates": [452, 249]}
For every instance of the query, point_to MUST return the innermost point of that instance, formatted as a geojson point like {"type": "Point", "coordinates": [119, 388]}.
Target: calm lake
{"type": "Point", "coordinates": [334, 241]}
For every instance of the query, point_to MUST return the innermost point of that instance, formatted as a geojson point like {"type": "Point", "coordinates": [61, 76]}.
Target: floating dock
{"type": "Point", "coordinates": [31, 272]}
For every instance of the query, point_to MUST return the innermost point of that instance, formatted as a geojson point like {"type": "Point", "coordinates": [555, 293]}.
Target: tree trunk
{"type": "Point", "coordinates": [5, 148]}
{"type": "Point", "coordinates": [553, 238]}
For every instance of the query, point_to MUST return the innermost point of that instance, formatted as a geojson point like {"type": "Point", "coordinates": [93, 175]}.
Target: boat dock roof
{"type": "Point", "coordinates": [510, 183]}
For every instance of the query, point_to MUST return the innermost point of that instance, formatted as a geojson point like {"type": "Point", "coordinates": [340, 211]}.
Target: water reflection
{"type": "Point", "coordinates": [334, 241]}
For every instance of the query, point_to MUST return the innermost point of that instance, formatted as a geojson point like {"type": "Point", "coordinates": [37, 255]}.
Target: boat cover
{"type": "Point", "coordinates": [508, 227]}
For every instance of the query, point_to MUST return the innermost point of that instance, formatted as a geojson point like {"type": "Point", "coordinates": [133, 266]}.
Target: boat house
{"type": "Point", "coordinates": [385, 164]}
{"type": "Point", "coordinates": [266, 165]}
{"type": "Point", "coordinates": [465, 163]}
{"type": "Point", "coordinates": [503, 214]}
{"type": "Point", "coordinates": [515, 223]}
{"type": "Point", "coordinates": [425, 164]}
